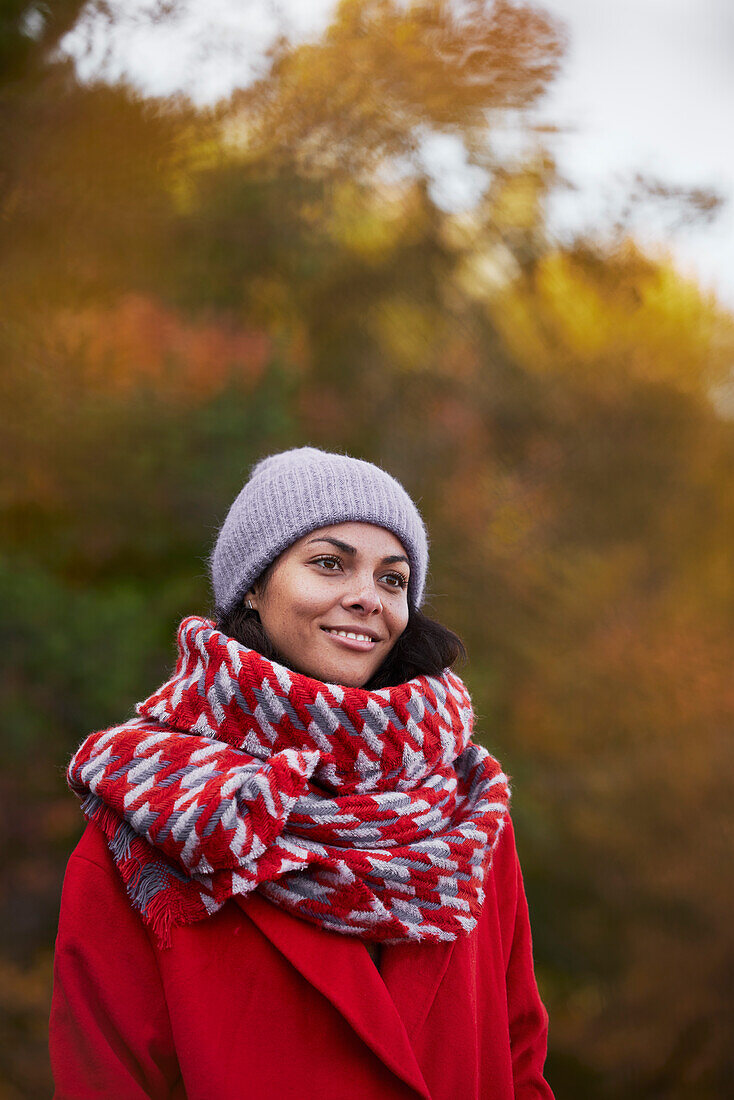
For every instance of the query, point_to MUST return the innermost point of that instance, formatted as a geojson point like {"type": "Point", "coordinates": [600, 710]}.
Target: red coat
{"type": "Point", "coordinates": [255, 1004]}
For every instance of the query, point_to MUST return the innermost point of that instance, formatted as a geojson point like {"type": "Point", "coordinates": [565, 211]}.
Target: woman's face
{"type": "Point", "coordinates": [348, 576]}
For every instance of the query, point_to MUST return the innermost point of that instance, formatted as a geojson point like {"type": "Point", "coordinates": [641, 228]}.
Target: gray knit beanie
{"type": "Point", "coordinates": [297, 491]}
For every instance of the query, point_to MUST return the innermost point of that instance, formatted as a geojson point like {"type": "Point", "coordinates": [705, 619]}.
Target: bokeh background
{"type": "Point", "coordinates": [349, 243]}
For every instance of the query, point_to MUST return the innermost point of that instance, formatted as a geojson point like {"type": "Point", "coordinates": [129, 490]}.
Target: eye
{"type": "Point", "coordinates": [328, 557]}
{"type": "Point", "coordinates": [402, 582]}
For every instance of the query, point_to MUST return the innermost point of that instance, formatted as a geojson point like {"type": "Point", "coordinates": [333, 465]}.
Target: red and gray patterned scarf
{"type": "Point", "coordinates": [370, 813]}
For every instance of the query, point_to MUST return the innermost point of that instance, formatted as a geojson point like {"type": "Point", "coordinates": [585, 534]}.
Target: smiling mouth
{"type": "Point", "coordinates": [354, 639]}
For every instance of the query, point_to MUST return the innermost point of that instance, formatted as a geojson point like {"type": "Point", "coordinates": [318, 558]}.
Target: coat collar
{"type": "Point", "coordinates": [385, 1009]}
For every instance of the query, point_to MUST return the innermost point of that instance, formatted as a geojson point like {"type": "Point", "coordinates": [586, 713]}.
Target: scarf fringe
{"type": "Point", "coordinates": [141, 869]}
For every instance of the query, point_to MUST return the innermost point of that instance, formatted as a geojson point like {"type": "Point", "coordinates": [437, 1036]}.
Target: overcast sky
{"type": "Point", "coordinates": [647, 85]}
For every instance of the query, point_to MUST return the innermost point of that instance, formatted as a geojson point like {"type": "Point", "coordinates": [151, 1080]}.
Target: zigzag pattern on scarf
{"type": "Point", "coordinates": [370, 813]}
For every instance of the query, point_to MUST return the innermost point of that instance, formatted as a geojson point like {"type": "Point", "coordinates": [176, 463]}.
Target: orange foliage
{"type": "Point", "coordinates": [137, 341]}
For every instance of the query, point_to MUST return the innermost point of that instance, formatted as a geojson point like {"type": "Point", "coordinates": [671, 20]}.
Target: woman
{"type": "Point", "coordinates": [298, 878]}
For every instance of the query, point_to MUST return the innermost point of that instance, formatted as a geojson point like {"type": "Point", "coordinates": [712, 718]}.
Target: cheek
{"type": "Point", "coordinates": [400, 620]}
{"type": "Point", "coordinates": [298, 608]}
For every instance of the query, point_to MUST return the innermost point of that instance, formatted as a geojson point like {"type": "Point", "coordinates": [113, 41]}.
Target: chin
{"type": "Point", "coordinates": [346, 679]}
{"type": "Point", "coordinates": [355, 682]}
{"type": "Point", "coordinates": [343, 677]}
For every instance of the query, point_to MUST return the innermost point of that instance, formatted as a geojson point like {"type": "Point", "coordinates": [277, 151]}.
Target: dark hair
{"type": "Point", "coordinates": [425, 648]}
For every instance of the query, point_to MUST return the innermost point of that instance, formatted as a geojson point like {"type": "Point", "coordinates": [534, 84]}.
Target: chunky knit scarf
{"type": "Point", "coordinates": [370, 813]}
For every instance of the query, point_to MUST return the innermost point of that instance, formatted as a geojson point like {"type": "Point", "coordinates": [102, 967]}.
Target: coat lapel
{"type": "Point", "coordinates": [412, 973]}
{"type": "Point", "coordinates": [341, 969]}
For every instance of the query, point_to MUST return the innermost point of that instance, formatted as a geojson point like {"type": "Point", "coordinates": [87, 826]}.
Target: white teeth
{"type": "Point", "coordinates": [350, 634]}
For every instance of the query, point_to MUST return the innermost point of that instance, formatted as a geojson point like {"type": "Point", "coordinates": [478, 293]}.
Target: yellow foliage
{"type": "Point", "coordinates": [639, 320]}
{"type": "Point", "coordinates": [406, 332]}
{"type": "Point", "coordinates": [385, 70]}
{"type": "Point", "coordinates": [368, 225]}
{"type": "Point", "coordinates": [515, 204]}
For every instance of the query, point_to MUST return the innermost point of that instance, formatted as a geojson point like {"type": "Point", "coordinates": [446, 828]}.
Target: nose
{"type": "Point", "coordinates": [364, 596]}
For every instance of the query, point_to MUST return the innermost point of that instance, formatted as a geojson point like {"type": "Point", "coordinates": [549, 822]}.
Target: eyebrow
{"type": "Point", "coordinates": [347, 549]}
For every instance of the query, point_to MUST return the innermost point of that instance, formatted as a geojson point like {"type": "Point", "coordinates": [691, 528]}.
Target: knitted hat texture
{"type": "Point", "coordinates": [297, 491]}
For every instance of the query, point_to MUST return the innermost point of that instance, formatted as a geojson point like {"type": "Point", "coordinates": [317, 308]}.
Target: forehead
{"type": "Point", "coordinates": [364, 537]}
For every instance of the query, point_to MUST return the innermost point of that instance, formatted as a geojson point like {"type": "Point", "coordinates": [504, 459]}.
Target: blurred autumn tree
{"type": "Point", "coordinates": [184, 291]}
